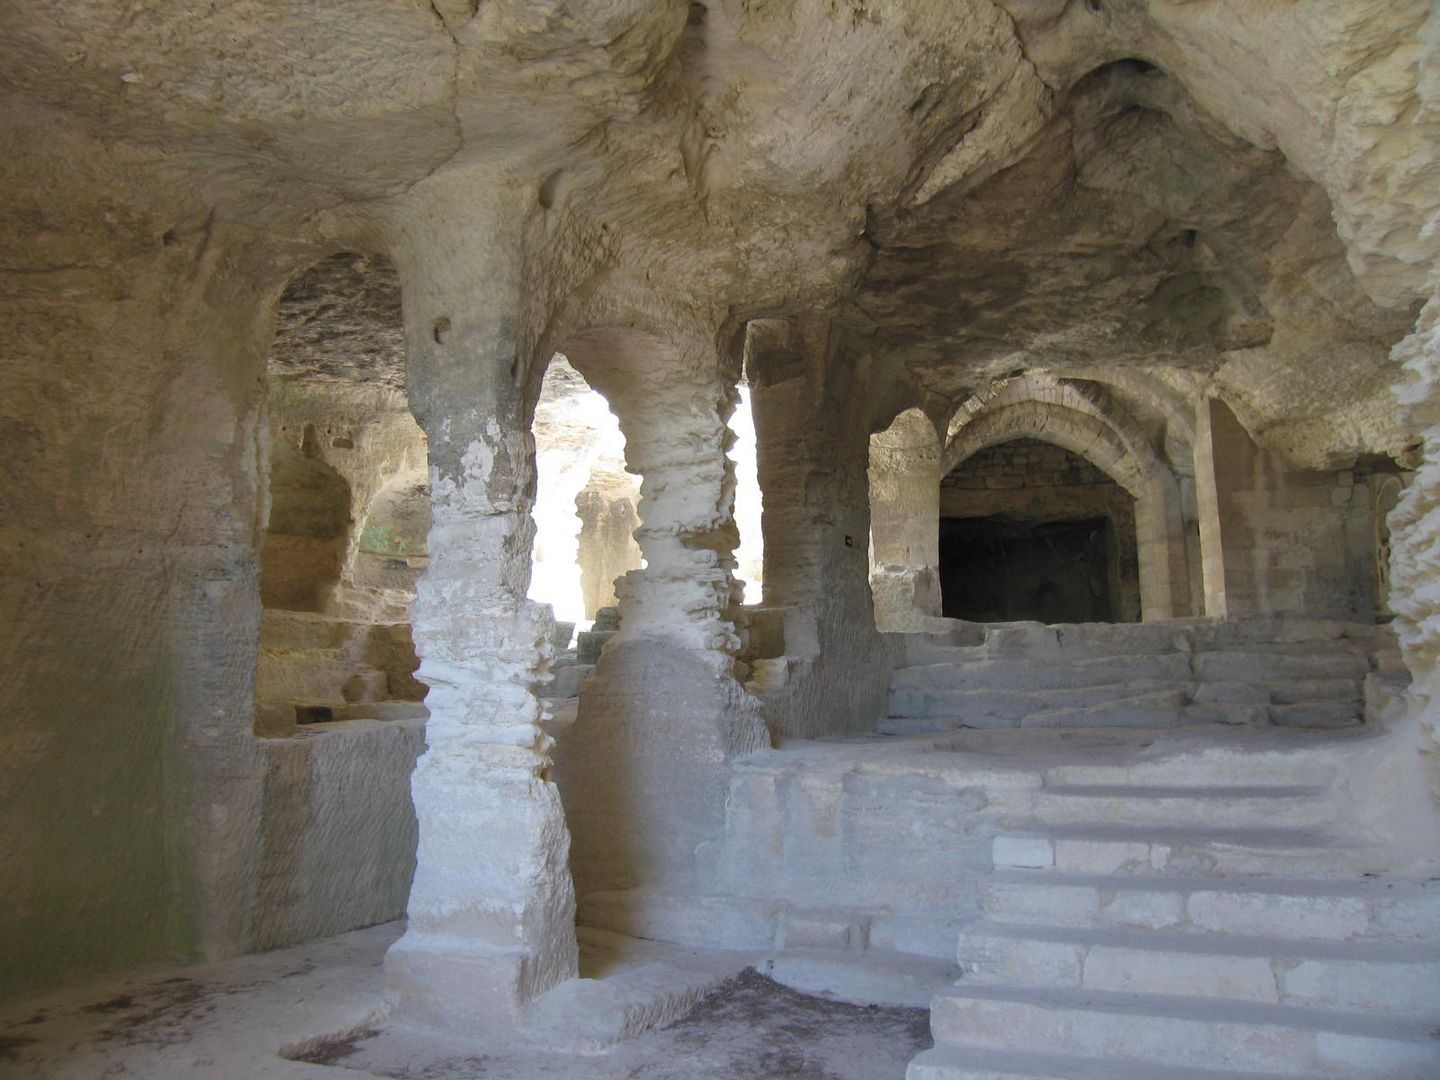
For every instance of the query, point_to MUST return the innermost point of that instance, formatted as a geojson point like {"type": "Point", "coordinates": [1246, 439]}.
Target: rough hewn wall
{"type": "Point", "coordinates": [904, 472]}
{"type": "Point", "coordinates": [1243, 190]}
{"type": "Point", "coordinates": [143, 819]}
{"type": "Point", "coordinates": [338, 844]}
{"type": "Point", "coordinates": [135, 339]}
{"type": "Point", "coordinates": [812, 432]}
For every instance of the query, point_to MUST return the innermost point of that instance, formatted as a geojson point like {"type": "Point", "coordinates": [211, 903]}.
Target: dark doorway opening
{"type": "Point", "coordinates": [1003, 569]}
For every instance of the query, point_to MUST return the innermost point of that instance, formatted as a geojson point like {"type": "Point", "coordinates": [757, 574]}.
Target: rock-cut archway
{"type": "Point", "coordinates": [1039, 407]}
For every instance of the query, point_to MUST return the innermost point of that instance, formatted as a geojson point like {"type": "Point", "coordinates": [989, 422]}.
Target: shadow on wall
{"type": "Point", "coordinates": [309, 521]}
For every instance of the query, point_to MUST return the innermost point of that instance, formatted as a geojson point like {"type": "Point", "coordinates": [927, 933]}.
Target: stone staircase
{"type": "Point", "coordinates": [571, 667]}
{"type": "Point", "coordinates": [1291, 672]}
{"type": "Point", "coordinates": [1137, 852]}
{"type": "Point", "coordinates": [1204, 917]}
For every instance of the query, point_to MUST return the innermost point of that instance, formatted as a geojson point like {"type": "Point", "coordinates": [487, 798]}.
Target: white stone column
{"type": "Point", "coordinates": [491, 913]}
{"type": "Point", "coordinates": [643, 767]}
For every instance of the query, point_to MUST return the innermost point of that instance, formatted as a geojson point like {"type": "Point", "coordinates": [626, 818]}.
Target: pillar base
{"type": "Point", "coordinates": [644, 771]}
{"type": "Point", "coordinates": [446, 984]}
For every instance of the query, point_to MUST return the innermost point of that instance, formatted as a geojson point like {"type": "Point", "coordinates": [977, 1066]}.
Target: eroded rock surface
{"type": "Point", "coordinates": [1191, 240]}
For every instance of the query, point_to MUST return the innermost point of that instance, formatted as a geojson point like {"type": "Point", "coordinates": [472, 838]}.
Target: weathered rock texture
{"type": "Point", "coordinates": [905, 477]}
{"type": "Point", "coordinates": [812, 435]}
{"type": "Point", "coordinates": [605, 548]}
{"type": "Point", "coordinates": [664, 710]}
{"type": "Point", "coordinates": [1188, 241]}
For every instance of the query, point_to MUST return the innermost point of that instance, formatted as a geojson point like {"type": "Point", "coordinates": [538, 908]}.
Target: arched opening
{"type": "Point", "coordinates": [1078, 417]}
{"type": "Point", "coordinates": [337, 703]}
{"type": "Point", "coordinates": [750, 554]}
{"type": "Point", "coordinates": [636, 752]}
{"type": "Point", "coordinates": [584, 502]}
{"type": "Point", "coordinates": [1030, 530]}
{"type": "Point", "coordinates": [585, 520]}
{"type": "Point", "coordinates": [348, 505]}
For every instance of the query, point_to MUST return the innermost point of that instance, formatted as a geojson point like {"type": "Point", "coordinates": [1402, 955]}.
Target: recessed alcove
{"type": "Point", "coordinates": [1001, 569]}
{"type": "Point", "coordinates": [1030, 530]}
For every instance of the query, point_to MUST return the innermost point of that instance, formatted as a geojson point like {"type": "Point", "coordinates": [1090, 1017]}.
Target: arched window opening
{"type": "Point", "coordinates": [1030, 530]}
{"type": "Point", "coordinates": [585, 513]}
{"type": "Point", "coordinates": [348, 505]}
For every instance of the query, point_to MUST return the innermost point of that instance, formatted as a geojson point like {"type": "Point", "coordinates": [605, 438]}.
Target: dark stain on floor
{"type": "Point", "coordinates": [163, 1013]}
{"type": "Point", "coordinates": [790, 1026]}
{"type": "Point", "coordinates": [109, 1005]}
{"type": "Point", "coordinates": [749, 1028]}
{"type": "Point", "coordinates": [334, 1049]}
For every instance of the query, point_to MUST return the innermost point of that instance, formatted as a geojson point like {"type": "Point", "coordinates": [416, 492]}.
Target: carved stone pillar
{"type": "Point", "coordinates": [812, 439]}
{"type": "Point", "coordinates": [905, 522]}
{"type": "Point", "coordinates": [606, 545]}
{"type": "Point", "coordinates": [644, 765]}
{"type": "Point", "coordinates": [491, 912]}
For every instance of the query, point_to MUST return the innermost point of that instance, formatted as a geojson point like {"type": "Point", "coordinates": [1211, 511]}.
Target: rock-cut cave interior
{"type": "Point", "coordinates": [657, 540]}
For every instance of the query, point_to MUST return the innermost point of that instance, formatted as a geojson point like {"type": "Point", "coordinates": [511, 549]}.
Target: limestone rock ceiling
{"type": "Point", "coordinates": [1108, 241]}
{"type": "Point", "coordinates": [1138, 232]}
{"type": "Point", "coordinates": [1233, 187]}
{"type": "Point", "coordinates": [339, 323]}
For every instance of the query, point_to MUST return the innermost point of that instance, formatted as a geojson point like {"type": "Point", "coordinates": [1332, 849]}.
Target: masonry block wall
{"type": "Point", "coordinates": [1276, 539]}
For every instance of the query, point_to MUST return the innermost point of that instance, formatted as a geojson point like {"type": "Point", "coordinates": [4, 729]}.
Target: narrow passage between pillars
{"type": "Point", "coordinates": [643, 768]}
